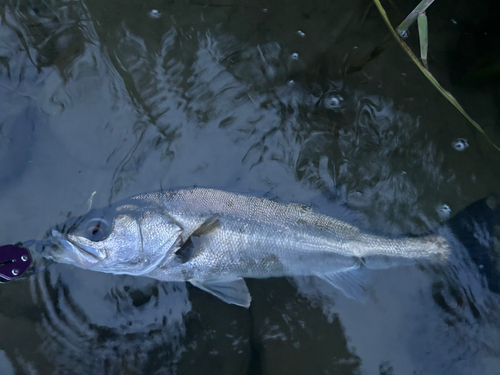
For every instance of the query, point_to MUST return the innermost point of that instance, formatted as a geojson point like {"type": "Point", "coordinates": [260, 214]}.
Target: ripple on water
{"type": "Point", "coordinates": [115, 320]}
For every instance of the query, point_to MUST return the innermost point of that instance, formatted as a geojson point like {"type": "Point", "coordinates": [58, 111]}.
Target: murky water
{"type": "Point", "coordinates": [293, 98]}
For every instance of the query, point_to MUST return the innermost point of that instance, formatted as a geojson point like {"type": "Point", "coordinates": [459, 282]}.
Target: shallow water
{"type": "Point", "coordinates": [292, 98]}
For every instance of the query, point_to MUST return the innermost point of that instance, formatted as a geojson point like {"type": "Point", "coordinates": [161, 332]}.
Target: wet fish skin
{"type": "Point", "coordinates": [214, 239]}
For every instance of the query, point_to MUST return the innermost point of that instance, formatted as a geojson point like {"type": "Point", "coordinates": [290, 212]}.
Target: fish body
{"type": "Point", "coordinates": [214, 239]}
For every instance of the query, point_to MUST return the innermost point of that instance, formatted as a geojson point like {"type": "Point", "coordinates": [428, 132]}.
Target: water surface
{"type": "Point", "coordinates": [299, 99]}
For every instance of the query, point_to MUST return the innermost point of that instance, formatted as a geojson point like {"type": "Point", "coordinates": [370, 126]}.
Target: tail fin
{"type": "Point", "coordinates": [477, 227]}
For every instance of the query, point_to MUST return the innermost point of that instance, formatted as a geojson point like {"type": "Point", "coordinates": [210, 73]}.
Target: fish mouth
{"type": "Point", "coordinates": [63, 250]}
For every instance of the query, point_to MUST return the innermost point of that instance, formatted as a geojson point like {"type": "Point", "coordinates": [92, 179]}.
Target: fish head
{"type": "Point", "coordinates": [132, 237]}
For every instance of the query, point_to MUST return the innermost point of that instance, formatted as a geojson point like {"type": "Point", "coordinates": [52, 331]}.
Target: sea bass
{"type": "Point", "coordinates": [214, 239]}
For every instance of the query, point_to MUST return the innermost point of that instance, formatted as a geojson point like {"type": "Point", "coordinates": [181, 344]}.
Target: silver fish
{"type": "Point", "coordinates": [214, 239]}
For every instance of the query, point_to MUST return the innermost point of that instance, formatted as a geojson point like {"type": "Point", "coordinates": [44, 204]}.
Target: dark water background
{"type": "Point", "coordinates": [291, 97]}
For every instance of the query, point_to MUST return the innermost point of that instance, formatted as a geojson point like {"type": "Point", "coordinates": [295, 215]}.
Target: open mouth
{"type": "Point", "coordinates": [66, 251]}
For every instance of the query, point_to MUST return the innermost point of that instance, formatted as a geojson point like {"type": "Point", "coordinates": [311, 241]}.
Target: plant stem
{"type": "Point", "coordinates": [408, 21]}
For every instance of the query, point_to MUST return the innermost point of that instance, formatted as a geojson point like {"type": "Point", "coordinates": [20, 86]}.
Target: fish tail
{"type": "Point", "coordinates": [477, 228]}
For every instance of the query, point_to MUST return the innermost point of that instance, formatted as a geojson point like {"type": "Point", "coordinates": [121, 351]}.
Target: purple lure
{"type": "Point", "coordinates": [14, 261]}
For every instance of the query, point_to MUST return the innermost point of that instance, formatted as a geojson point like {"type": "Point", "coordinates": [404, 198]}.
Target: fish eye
{"type": "Point", "coordinates": [97, 230]}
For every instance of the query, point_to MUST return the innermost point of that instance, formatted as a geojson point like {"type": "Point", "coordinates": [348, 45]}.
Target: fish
{"type": "Point", "coordinates": [214, 239]}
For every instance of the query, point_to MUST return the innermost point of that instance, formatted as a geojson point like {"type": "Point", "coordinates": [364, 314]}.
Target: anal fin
{"type": "Point", "coordinates": [351, 282]}
{"type": "Point", "coordinates": [232, 291]}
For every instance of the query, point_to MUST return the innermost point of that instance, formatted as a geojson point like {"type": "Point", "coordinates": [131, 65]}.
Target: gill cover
{"type": "Point", "coordinates": [130, 237]}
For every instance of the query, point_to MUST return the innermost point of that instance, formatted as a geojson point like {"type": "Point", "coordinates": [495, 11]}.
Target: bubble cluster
{"type": "Point", "coordinates": [154, 13]}
{"type": "Point", "coordinates": [444, 211]}
{"type": "Point", "coordinates": [333, 101]}
{"type": "Point", "coordinates": [460, 144]}
{"type": "Point", "coordinates": [301, 33]}
{"type": "Point", "coordinates": [404, 33]}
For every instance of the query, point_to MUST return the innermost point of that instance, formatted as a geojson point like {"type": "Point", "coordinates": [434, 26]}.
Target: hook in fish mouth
{"type": "Point", "coordinates": [66, 251]}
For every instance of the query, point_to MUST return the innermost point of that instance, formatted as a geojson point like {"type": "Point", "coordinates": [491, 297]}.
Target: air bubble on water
{"type": "Point", "coordinates": [154, 13]}
{"type": "Point", "coordinates": [444, 211]}
{"type": "Point", "coordinates": [453, 21]}
{"type": "Point", "coordinates": [355, 198]}
{"type": "Point", "coordinates": [460, 144]}
{"type": "Point", "coordinates": [290, 83]}
{"type": "Point", "coordinates": [264, 10]}
{"type": "Point", "coordinates": [333, 101]}
{"type": "Point", "coordinates": [404, 33]}
{"type": "Point", "coordinates": [301, 33]}
{"type": "Point", "coordinates": [295, 56]}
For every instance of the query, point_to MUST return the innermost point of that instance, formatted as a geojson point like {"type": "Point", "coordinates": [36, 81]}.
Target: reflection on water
{"type": "Point", "coordinates": [295, 99]}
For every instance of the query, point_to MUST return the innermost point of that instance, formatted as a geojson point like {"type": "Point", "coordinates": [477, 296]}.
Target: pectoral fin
{"type": "Point", "coordinates": [351, 282]}
{"type": "Point", "coordinates": [187, 250]}
{"type": "Point", "coordinates": [209, 225]}
{"type": "Point", "coordinates": [233, 291]}
{"type": "Point", "coordinates": [190, 248]}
